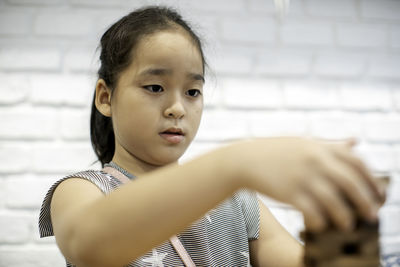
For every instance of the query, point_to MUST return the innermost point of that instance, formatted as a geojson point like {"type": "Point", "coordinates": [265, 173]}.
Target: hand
{"type": "Point", "coordinates": [326, 182]}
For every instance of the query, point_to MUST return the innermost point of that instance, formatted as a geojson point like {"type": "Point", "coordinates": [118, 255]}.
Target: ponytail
{"type": "Point", "coordinates": [101, 135]}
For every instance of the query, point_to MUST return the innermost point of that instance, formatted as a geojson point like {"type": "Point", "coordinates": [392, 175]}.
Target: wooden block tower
{"type": "Point", "coordinates": [336, 248]}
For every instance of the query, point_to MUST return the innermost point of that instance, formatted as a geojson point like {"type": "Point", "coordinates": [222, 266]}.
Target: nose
{"type": "Point", "coordinates": [175, 108]}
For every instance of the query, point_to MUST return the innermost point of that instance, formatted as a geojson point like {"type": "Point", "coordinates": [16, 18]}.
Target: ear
{"type": "Point", "coordinates": [103, 98]}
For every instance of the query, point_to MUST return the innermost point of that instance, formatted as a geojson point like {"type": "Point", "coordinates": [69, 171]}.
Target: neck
{"type": "Point", "coordinates": [131, 163]}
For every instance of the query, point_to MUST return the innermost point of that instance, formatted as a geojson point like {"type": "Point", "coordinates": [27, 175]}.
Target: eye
{"type": "Point", "coordinates": [193, 92]}
{"type": "Point", "coordinates": [154, 88]}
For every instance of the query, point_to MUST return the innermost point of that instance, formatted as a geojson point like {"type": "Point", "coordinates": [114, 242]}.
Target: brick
{"type": "Point", "coordinates": [104, 19]}
{"type": "Point", "coordinates": [14, 157]}
{"type": "Point", "coordinates": [300, 95]}
{"type": "Point", "coordinates": [212, 93]}
{"type": "Point", "coordinates": [362, 35]}
{"type": "Point", "coordinates": [385, 67]}
{"type": "Point", "coordinates": [219, 7]}
{"type": "Point", "coordinates": [47, 256]}
{"type": "Point", "coordinates": [62, 24]}
{"type": "Point", "coordinates": [384, 9]}
{"type": "Point", "coordinates": [395, 37]}
{"type": "Point", "coordinates": [252, 93]}
{"type": "Point", "coordinates": [397, 153]}
{"type": "Point", "coordinates": [277, 123]}
{"type": "Point", "coordinates": [396, 99]}
{"type": "Point", "coordinates": [338, 8]}
{"type": "Point", "coordinates": [383, 128]}
{"type": "Point", "coordinates": [284, 63]}
{"type": "Point", "coordinates": [393, 192]}
{"type": "Point", "coordinates": [365, 97]}
{"type": "Point", "coordinates": [75, 124]}
{"type": "Point", "coordinates": [378, 158]}
{"type": "Point", "coordinates": [74, 90]}
{"type": "Point", "coordinates": [98, 3]}
{"type": "Point", "coordinates": [14, 23]}
{"type": "Point", "coordinates": [17, 59]}
{"type": "Point", "coordinates": [207, 27]}
{"type": "Point", "coordinates": [82, 60]}
{"type": "Point", "coordinates": [335, 125]}
{"type": "Point", "coordinates": [28, 123]}
{"type": "Point", "coordinates": [249, 30]}
{"type": "Point", "coordinates": [307, 33]}
{"type": "Point", "coordinates": [62, 158]}
{"type": "Point", "coordinates": [222, 126]}
{"type": "Point", "coordinates": [232, 61]}
{"type": "Point", "coordinates": [35, 2]}
{"type": "Point", "coordinates": [2, 192]}
{"type": "Point", "coordinates": [389, 244]}
{"type": "Point", "coordinates": [14, 229]}
{"type": "Point", "coordinates": [344, 65]}
{"type": "Point", "coordinates": [14, 88]}
{"type": "Point", "coordinates": [17, 186]}
{"type": "Point", "coordinates": [296, 8]}
{"type": "Point", "coordinates": [389, 216]}
{"type": "Point", "coordinates": [41, 242]}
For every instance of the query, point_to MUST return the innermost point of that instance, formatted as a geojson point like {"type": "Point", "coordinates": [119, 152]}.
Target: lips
{"type": "Point", "coordinates": [173, 135]}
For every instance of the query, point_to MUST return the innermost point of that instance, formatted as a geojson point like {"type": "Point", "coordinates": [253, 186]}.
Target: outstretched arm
{"type": "Point", "coordinates": [96, 230]}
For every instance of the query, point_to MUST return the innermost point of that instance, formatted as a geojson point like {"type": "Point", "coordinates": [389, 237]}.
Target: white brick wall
{"type": "Point", "coordinates": [337, 9]}
{"type": "Point", "coordinates": [329, 69]}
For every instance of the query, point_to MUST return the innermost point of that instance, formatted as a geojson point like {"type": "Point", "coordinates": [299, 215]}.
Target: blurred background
{"type": "Point", "coordinates": [328, 69]}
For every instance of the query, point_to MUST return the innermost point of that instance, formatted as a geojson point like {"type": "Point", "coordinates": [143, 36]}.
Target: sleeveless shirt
{"type": "Point", "coordinates": [220, 238]}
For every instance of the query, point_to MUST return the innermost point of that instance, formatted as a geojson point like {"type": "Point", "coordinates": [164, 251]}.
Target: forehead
{"type": "Point", "coordinates": [170, 47]}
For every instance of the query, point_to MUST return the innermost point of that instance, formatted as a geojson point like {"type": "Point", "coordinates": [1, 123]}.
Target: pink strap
{"type": "Point", "coordinates": [185, 257]}
{"type": "Point", "coordinates": [176, 243]}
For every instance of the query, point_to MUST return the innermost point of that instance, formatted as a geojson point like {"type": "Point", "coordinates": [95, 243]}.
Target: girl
{"type": "Point", "coordinates": [146, 111]}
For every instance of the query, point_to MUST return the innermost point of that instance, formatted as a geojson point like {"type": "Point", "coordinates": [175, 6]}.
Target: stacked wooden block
{"type": "Point", "coordinates": [336, 248]}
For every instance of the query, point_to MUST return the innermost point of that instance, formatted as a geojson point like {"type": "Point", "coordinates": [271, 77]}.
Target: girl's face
{"type": "Point", "coordinates": [158, 101]}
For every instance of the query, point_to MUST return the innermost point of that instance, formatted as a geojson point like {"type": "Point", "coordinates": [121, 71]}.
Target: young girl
{"type": "Point", "coordinates": [146, 111]}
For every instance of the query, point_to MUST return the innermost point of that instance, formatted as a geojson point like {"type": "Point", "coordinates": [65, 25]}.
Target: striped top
{"type": "Point", "coordinates": [220, 238]}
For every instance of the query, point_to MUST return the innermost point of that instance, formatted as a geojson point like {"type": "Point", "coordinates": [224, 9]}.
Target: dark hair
{"type": "Point", "coordinates": [117, 45]}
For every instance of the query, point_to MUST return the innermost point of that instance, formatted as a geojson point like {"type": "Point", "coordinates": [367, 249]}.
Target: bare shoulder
{"type": "Point", "coordinates": [72, 194]}
{"type": "Point", "coordinates": [70, 199]}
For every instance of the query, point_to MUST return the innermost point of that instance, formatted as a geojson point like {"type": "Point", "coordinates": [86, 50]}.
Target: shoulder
{"type": "Point", "coordinates": [102, 182]}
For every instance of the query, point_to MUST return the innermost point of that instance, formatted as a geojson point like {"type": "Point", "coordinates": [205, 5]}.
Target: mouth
{"type": "Point", "coordinates": [173, 135]}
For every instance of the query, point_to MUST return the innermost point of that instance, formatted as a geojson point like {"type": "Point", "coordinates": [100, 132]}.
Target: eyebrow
{"type": "Point", "coordinates": [163, 72]}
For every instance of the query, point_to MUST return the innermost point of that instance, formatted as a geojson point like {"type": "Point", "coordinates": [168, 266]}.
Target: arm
{"type": "Point", "coordinates": [137, 217]}
{"type": "Point", "coordinates": [274, 240]}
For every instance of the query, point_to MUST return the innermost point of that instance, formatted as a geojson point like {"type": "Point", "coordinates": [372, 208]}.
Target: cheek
{"type": "Point", "coordinates": [132, 116]}
{"type": "Point", "coordinates": [197, 113]}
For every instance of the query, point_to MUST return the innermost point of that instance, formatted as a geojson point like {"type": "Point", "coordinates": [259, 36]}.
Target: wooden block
{"type": "Point", "coordinates": [335, 248]}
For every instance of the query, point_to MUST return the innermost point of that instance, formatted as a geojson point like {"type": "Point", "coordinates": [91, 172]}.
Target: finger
{"type": "Point", "coordinates": [360, 167]}
{"type": "Point", "coordinates": [351, 183]}
{"type": "Point", "coordinates": [331, 201]}
{"type": "Point", "coordinates": [314, 220]}
{"type": "Point", "coordinates": [382, 181]}
{"type": "Point", "coordinates": [351, 142]}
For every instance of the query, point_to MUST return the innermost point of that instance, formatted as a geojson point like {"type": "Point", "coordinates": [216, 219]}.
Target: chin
{"type": "Point", "coordinates": [166, 158]}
